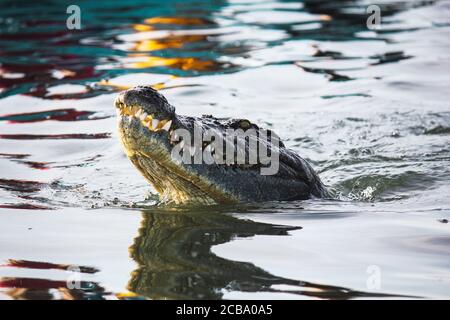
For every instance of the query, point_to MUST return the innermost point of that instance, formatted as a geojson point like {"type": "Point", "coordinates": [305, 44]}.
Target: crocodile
{"type": "Point", "coordinates": [149, 127]}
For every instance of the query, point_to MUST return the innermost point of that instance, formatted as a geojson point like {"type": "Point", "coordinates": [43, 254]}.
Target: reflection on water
{"type": "Point", "coordinates": [45, 289]}
{"type": "Point", "coordinates": [173, 251]}
{"type": "Point", "coordinates": [368, 108]}
{"type": "Point", "coordinates": [53, 56]}
{"type": "Point", "coordinates": [38, 53]}
{"type": "Point", "coordinates": [148, 41]}
{"type": "Point", "coordinates": [42, 289]}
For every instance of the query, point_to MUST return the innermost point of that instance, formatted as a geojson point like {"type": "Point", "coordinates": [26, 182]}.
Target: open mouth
{"type": "Point", "coordinates": [153, 124]}
{"type": "Point", "coordinates": [175, 182]}
{"type": "Point", "coordinates": [147, 120]}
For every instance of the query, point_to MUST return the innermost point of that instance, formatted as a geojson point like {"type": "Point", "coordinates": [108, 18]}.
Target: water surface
{"type": "Point", "coordinates": [368, 108]}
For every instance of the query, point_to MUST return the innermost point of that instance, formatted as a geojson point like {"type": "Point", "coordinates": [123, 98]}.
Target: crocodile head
{"type": "Point", "coordinates": [152, 133]}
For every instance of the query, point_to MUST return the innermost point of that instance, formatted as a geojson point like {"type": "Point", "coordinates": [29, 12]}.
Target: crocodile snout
{"type": "Point", "coordinates": [148, 99]}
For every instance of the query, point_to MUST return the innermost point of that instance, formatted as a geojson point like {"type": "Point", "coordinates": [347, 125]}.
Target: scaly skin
{"type": "Point", "coordinates": [146, 127]}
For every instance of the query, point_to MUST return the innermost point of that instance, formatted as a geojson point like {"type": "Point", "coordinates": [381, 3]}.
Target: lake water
{"type": "Point", "coordinates": [370, 109]}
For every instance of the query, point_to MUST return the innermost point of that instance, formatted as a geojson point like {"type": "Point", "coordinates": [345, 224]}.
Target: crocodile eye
{"type": "Point", "coordinates": [244, 124]}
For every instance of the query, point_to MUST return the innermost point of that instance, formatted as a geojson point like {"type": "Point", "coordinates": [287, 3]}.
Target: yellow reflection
{"type": "Point", "coordinates": [126, 295]}
{"type": "Point", "coordinates": [118, 87]}
{"type": "Point", "coordinates": [178, 63]}
{"type": "Point", "coordinates": [175, 20]}
{"type": "Point", "coordinates": [142, 27]}
{"type": "Point", "coordinates": [170, 41]}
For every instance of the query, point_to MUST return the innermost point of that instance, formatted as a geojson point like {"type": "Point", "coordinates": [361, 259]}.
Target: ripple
{"type": "Point", "coordinates": [438, 130]}
{"type": "Point", "coordinates": [21, 185]}
{"type": "Point", "coordinates": [47, 265]}
{"type": "Point", "coordinates": [44, 289]}
{"type": "Point", "coordinates": [85, 136]}
{"type": "Point", "coordinates": [385, 187]}
{"type": "Point", "coordinates": [57, 115]}
{"type": "Point", "coordinates": [24, 206]}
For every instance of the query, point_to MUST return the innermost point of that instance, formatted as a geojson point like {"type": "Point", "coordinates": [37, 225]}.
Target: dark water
{"type": "Point", "coordinates": [368, 108]}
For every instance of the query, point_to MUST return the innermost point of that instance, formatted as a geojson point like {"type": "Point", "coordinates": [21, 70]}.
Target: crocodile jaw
{"type": "Point", "coordinates": [150, 152]}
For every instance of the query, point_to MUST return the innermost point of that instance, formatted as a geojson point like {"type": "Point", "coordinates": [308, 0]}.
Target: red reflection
{"type": "Point", "coordinates": [21, 185]}
{"type": "Point", "coordinates": [57, 115]}
{"type": "Point", "coordinates": [31, 283]}
{"type": "Point", "coordinates": [47, 265]}
{"type": "Point", "coordinates": [27, 206]}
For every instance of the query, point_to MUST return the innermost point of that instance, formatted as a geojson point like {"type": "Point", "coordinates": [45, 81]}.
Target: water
{"type": "Point", "coordinates": [369, 109]}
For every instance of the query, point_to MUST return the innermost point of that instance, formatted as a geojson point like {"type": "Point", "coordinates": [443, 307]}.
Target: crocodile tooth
{"type": "Point", "coordinates": [161, 124]}
{"type": "Point", "coordinates": [155, 123]}
{"type": "Point", "coordinates": [148, 120]}
{"type": "Point", "coordinates": [167, 125]}
{"type": "Point", "coordinates": [138, 113]}
{"type": "Point", "coordinates": [143, 116]}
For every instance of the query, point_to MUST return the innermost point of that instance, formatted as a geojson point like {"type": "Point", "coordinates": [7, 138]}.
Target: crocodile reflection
{"type": "Point", "coordinates": [175, 261]}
